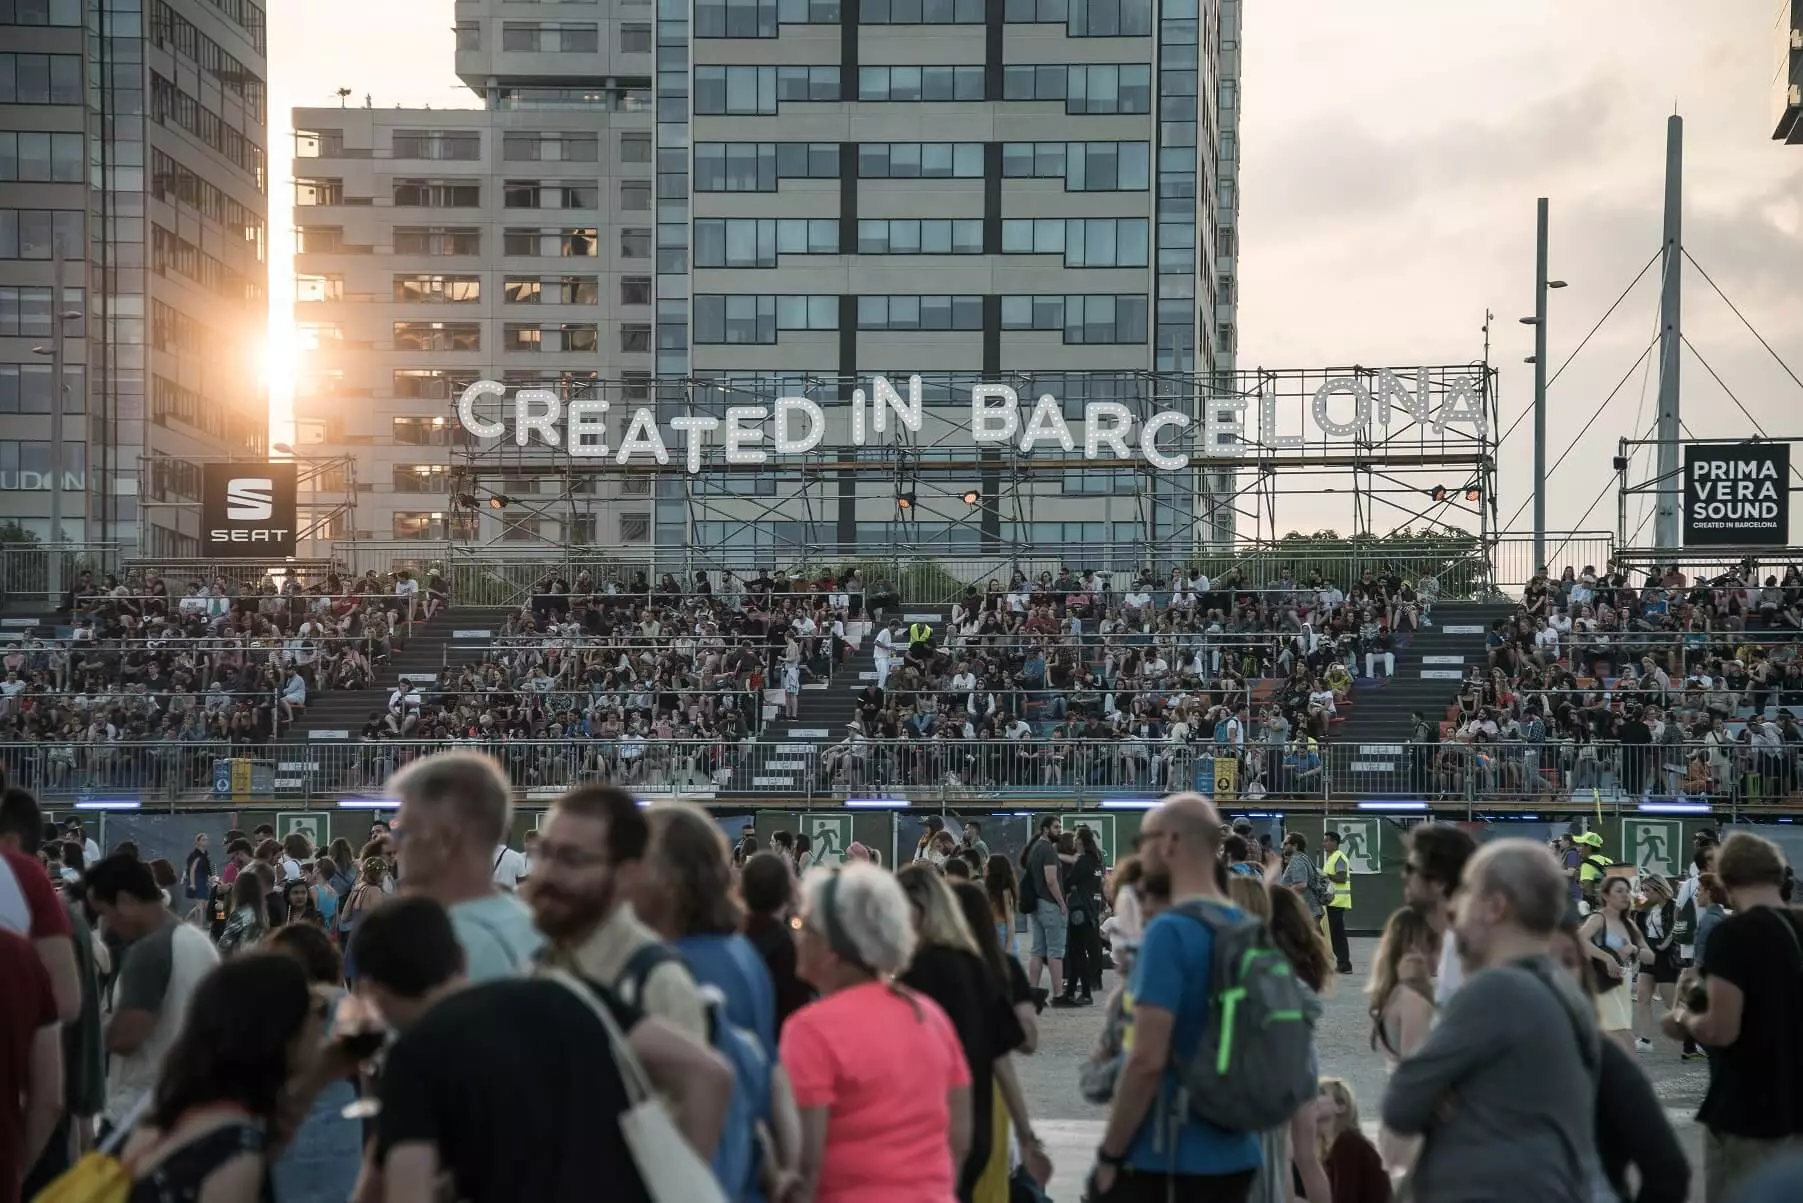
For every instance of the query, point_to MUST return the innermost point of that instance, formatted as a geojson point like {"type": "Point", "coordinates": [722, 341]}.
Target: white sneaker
{"type": "Point", "coordinates": [1642, 1044]}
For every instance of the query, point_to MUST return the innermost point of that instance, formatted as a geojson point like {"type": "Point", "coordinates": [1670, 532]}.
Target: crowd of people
{"type": "Point", "coordinates": [1663, 687]}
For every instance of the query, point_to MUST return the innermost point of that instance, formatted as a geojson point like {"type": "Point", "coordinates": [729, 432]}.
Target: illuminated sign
{"type": "Point", "coordinates": [998, 416]}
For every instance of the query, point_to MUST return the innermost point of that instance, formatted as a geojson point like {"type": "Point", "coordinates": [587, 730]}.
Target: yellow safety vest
{"type": "Point", "coordinates": [919, 632]}
{"type": "Point", "coordinates": [1342, 890]}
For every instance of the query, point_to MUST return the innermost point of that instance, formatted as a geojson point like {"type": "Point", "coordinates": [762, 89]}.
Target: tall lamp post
{"type": "Point", "coordinates": [1538, 359]}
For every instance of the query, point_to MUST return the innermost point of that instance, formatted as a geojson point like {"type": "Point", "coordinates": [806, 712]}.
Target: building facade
{"type": "Point", "coordinates": [1788, 75]}
{"type": "Point", "coordinates": [1034, 192]}
{"type": "Point", "coordinates": [132, 143]}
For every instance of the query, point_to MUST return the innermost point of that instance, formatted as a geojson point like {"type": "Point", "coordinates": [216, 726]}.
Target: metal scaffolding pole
{"type": "Point", "coordinates": [1671, 333]}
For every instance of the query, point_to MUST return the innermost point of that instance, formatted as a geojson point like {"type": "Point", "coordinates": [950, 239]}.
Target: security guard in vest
{"type": "Point", "coordinates": [920, 639]}
{"type": "Point", "coordinates": [1339, 871]}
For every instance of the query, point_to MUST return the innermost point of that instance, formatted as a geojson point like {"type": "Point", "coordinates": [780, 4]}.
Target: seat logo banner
{"type": "Point", "coordinates": [249, 511]}
{"type": "Point", "coordinates": [1737, 494]}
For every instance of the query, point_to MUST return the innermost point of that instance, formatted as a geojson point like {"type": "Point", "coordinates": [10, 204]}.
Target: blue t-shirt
{"type": "Point", "coordinates": [1174, 972]}
{"type": "Point", "coordinates": [732, 966]}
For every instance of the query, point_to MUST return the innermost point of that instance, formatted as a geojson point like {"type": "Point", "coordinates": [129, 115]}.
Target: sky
{"type": "Point", "coordinates": [1392, 152]}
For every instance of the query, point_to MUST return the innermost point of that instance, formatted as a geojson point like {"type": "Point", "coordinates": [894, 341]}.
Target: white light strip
{"type": "Point", "coordinates": [1674, 808]}
{"type": "Point", "coordinates": [1129, 803]}
{"type": "Point", "coordinates": [367, 804]}
{"type": "Point", "coordinates": [877, 803]}
{"type": "Point", "coordinates": [1392, 806]}
{"type": "Point", "coordinates": [105, 804]}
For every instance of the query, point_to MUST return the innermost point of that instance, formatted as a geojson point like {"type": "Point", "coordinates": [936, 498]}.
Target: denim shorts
{"type": "Point", "coordinates": [1046, 927]}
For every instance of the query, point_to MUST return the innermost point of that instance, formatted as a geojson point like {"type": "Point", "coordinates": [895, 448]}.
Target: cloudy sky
{"type": "Point", "coordinates": [1393, 151]}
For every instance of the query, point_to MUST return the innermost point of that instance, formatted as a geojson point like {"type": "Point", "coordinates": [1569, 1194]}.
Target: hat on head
{"type": "Point", "coordinates": [1591, 838]}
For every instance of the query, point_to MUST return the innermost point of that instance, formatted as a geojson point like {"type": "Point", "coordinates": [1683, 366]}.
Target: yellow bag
{"type": "Point", "coordinates": [102, 1175]}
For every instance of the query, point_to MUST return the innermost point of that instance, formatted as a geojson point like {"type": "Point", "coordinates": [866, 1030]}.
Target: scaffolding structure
{"type": "Point", "coordinates": [940, 492]}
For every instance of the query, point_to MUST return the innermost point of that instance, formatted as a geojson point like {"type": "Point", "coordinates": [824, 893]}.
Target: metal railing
{"type": "Point", "coordinates": [1734, 776]}
{"type": "Point", "coordinates": [28, 569]}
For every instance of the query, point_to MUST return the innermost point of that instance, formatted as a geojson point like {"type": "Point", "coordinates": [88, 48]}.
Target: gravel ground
{"type": "Point", "coordinates": [1072, 1127]}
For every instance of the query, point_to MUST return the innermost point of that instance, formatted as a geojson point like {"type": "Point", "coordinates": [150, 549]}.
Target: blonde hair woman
{"type": "Point", "coordinates": [1355, 1173]}
{"type": "Point", "coordinates": [1615, 948]}
{"type": "Point", "coordinates": [1401, 1005]}
{"type": "Point", "coordinates": [947, 968]}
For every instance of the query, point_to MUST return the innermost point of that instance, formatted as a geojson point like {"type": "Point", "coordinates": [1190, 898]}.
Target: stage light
{"type": "Point", "coordinates": [905, 501]}
{"type": "Point", "coordinates": [1474, 494]}
{"type": "Point", "coordinates": [466, 501]}
{"type": "Point", "coordinates": [1619, 463]}
{"type": "Point", "coordinates": [972, 498]}
{"type": "Point", "coordinates": [1440, 493]}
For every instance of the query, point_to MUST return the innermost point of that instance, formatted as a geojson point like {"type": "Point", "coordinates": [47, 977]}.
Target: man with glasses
{"type": "Point", "coordinates": [1153, 1147]}
{"type": "Point", "coordinates": [1430, 875]}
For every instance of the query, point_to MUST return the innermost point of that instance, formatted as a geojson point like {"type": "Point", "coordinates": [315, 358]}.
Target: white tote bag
{"type": "Point", "coordinates": [668, 1165]}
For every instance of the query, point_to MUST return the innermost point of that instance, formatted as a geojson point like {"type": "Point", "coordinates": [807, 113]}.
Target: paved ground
{"type": "Point", "coordinates": [1071, 1127]}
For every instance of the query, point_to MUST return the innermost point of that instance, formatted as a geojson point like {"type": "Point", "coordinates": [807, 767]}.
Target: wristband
{"type": "Point", "coordinates": [1104, 1157]}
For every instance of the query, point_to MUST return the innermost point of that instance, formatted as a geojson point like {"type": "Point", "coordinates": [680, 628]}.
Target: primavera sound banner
{"type": "Point", "coordinates": [1736, 494]}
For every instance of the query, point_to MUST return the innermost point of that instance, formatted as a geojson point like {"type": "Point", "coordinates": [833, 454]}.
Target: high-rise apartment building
{"type": "Point", "coordinates": [132, 143]}
{"type": "Point", "coordinates": [1788, 76]}
{"type": "Point", "coordinates": [780, 197]}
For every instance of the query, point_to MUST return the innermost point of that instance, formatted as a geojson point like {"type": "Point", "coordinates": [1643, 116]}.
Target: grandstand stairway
{"type": "Point", "coordinates": [341, 713]}
{"type": "Point", "coordinates": [1428, 671]}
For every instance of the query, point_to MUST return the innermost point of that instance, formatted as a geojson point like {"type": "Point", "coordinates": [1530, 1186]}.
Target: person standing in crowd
{"type": "Point", "coordinates": [947, 968]}
{"type": "Point", "coordinates": [879, 1075]}
{"type": "Point", "coordinates": [31, 1063]}
{"type": "Point", "coordinates": [1337, 868]}
{"type": "Point", "coordinates": [1436, 863]}
{"type": "Point", "coordinates": [475, 1088]}
{"type": "Point", "coordinates": [924, 847]}
{"type": "Point", "coordinates": [766, 888]}
{"type": "Point", "coordinates": [1003, 889]}
{"type": "Point", "coordinates": [509, 868]}
{"type": "Point", "coordinates": [1300, 874]}
{"type": "Point", "coordinates": [1515, 1048]}
{"type": "Point", "coordinates": [300, 909]}
{"type": "Point", "coordinates": [1153, 1148]}
{"type": "Point", "coordinates": [1042, 902]}
{"type": "Point", "coordinates": [211, 1127]}
{"type": "Point", "coordinates": [1355, 1173]}
{"type": "Point", "coordinates": [1657, 922]}
{"type": "Point", "coordinates": [971, 840]}
{"type": "Point", "coordinates": [455, 808]}
{"type": "Point", "coordinates": [248, 920]}
{"type": "Point", "coordinates": [323, 1154]}
{"type": "Point", "coordinates": [1083, 934]}
{"type": "Point", "coordinates": [364, 897]}
{"type": "Point", "coordinates": [297, 849]}
{"type": "Point", "coordinates": [591, 843]}
{"type": "Point", "coordinates": [1401, 1006]}
{"type": "Point", "coordinates": [320, 875]}
{"type": "Point", "coordinates": [1291, 1153]}
{"type": "Point", "coordinates": [197, 877]}
{"type": "Point", "coordinates": [1615, 946]}
{"type": "Point", "coordinates": [1752, 970]}
{"type": "Point", "coordinates": [163, 964]}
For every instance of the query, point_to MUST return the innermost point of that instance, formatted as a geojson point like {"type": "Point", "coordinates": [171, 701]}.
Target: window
{"type": "Point", "coordinates": [752, 91]}
{"type": "Point", "coordinates": [469, 35]}
{"type": "Point", "coordinates": [429, 384]}
{"type": "Point", "coordinates": [1083, 241]}
{"type": "Point", "coordinates": [757, 166]}
{"type": "Point", "coordinates": [635, 338]}
{"type": "Point", "coordinates": [756, 242]}
{"type": "Point", "coordinates": [523, 292]}
{"type": "Point", "coordinates": [1084, 88]}
{"type": "Point", "coordinates": [456, 290]}
{"type": "Point", "coordinates": [635, 196]}
{"type": "Point", "coordinates": [460, 525]}
{"type": "Point", "coordinates": [42, 158]}
{"type": "Point", "coordinates": [40, 79]}
{"type": "Point", "coordinates": [1092, 320]}
{"type": "Point", "coordinates": [635, 290]}
{"type": "Point", "coordinates": [444, 144]}
{"type": "Point", "coordinates": [635, 38]}
{"type": "Point", "coordinates": [760, 18]}
{"type": "Point", "coordinates": [438, 241]}
{"type": "Point", "coordinates": [41, 12]}
{"type": "Point", "coordinates": [635, 244]}
{"type": "Point", "coordinates": [750, 319]}
{"type": "Point", "coordinates": [932, 236]}
{"type": "Point", "coordinates": [566, 336]}
{"type": "Point", "coordinates": [920, 313]}
{"type": "Point", "coordinates": [920, 160]}
{"type": "Point", "coordinates": [1110, 19]}
{"type": "Point", "coordinates": [169, 105]}
{"type": "Point", "coordinates": [550, 194]}
{"type": "Point", "coordinates": [635, 528]}
{"type": "Point", "coordinates": [551, 37]}
{"type": "Point", "coordinates": [318, 192]}
{"type": "Point", "coordinates": [635, 148]}
{"type": "Point", "coordinates": [421, 478]}
{"type": "Point", "coordinates": [23, 464]}
{"type": "Point", "coordinates": [920, 83]}
{"type": "Point", "coordinates": [550, 146]}
{"type": "Point", "coordinates": [437, 194]}
{"type": "Point", "coordinates": [1083, 166]}
{"type": "Point", "coordinates": [434, 431]}
{"type": "Point", "coordinates": [553, 290]}
{"type": "Point", "coordinates": [25, 312]}
{"type": "Point", "coordinates": [437, 336]}
{"type": "Point", "coordinates": [920, 12]}
{"type": "Point", "coordinates": [314, 288]}
{"type": "Point", "coordinates": [25, 388]}
{"type": "Point", "coordinates": [579, 243]}
{"type": "Point", "coordinates": [34, 233]}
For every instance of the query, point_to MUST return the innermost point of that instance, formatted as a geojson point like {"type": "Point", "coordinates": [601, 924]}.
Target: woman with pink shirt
{"type": "Point", "coordinates": [877, 1070]}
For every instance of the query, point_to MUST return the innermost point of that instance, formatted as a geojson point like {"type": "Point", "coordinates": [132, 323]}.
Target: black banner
{"type": "Point", "coordinates": [1736, 494]}
{"type": "Point", "coordinates": [248, 511]}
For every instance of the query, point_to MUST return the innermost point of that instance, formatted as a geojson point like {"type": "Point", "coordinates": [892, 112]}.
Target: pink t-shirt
{"type": "Point", "coordinates": [882, 1071]}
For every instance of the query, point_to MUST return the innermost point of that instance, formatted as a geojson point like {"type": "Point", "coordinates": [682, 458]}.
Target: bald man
{"type": "Point", "coordinates": [1153, 1148]}
{"type": "Point", "coordinates": [1514, 1052]}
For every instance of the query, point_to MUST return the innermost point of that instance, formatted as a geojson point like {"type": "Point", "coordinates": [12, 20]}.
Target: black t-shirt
{"type": "Point", "coordinates": [983, 1016]}
{"type": "Point", "coordinates": [1756, 1083]}
{"type": "Point", "coordinates": [514, 1084]}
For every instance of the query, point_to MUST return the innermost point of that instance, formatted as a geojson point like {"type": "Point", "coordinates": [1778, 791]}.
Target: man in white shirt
{"type": "Point", "coordinates": [510, 868]}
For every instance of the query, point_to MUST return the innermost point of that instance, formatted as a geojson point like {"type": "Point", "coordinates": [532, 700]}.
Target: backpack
{"type": "Point", "coordinates": [737, 1162]}
{"type": "Point", "coordinates": [1255, 1063]}
{"type": "Point", "coordinates": [1319, 887]}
